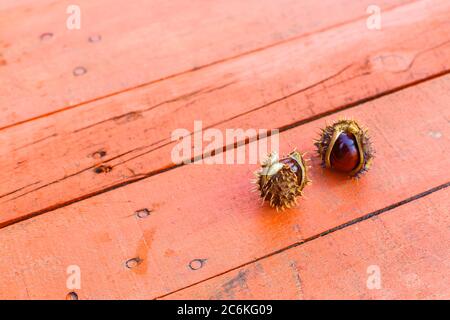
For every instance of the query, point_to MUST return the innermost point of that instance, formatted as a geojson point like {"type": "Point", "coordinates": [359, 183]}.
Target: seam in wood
{"type": "Point", "coordinates": [322, 234]}
{"type": "Point", "coordinates": [202, 91]}
{"type": "Point", "coordinates": [182, 97]}
{"type": "Point", "coordinates": [201, 67]}
{"type": "Point", "coordinates": [217, 151]}
{"type": "Point", "coordinates": [418, 54]}
{"type": "Point", "coordinates": [76, 173]}
{"type": "Point", "coordinates": [294, 124]}
{"type": "Point", "coordinates": [35, 142]}
{"type": "Point", "coordinates": [317, 116]}
{"type": "Point", "coordinates": [21, 188]}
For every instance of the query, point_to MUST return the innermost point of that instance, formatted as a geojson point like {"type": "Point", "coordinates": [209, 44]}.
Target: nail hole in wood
{"type": "Point", "coordinates": [99, 154]}
{"type": "Point", "coordinates": [133, 263]}
{"type": "Point", "coordinates": [72, 296]}
{"type": "Point", "coordinates": [197, 264]}
{"type": "Point", "coordinates": [79, 71]}
{"type": "Point", "coordinates": [102, 169]}
{"type": "Point", "coordinates": [95, 38]}
{"type": "Point", "coordinates": [46, 36]}
{"type": "Point", "coordinates": [143, 213]}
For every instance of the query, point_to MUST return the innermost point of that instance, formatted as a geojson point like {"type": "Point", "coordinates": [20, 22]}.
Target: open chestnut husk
{"type": "Point", "coordinates": [345, 146]}
{"type": "Point", "coordinates": [281, 181]}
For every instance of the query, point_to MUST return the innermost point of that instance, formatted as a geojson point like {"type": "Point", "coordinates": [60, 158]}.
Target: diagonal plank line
{"type": "Point", "coordinates": [243, 54]}
{"type": "Point", "coordinates": [317, 116]}
{"type": "Point", "coordinates": [322, 234]}
{"type": "Point", "coordinates": [217, 151]}
{"type": "Point", "coordinates": [139, 177]}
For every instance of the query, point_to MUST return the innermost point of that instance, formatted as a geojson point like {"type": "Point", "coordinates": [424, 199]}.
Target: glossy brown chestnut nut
{"type": "Point", "coordinates": [345, 146]}
{"type": "Point", "coordinates": [345, 155]}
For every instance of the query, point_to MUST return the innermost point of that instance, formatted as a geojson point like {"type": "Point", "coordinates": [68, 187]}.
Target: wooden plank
{"type": "Point", "coordinates": [208, 212]}
{"type": "Point", "coordinates": [141, 42]}
{"type": "Point", "coordinates": [50, 162]}
{"type": "Point", "coordinates": [407, 247]}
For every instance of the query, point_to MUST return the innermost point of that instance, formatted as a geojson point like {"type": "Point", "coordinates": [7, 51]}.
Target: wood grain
{"type": "Point", "coordinates": [51, 161]}
{"type": "Point", "coordinates": [408, 246]}
{"type": "Point", "coordinates": [152, 41]}
{"type": "Point", "coordinates": [204, 219]}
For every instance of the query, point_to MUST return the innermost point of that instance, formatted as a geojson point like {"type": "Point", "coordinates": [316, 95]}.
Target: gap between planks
{"type": "Point", "coordinates": [221, 150]}
{"type": "Point", "coordinates": [94, 211]}
{"type": "Point", "coordinates": [237, 56]}
{"type": "Point", "coordinates": [322, 234]}
{"type": "Point", "coordinates": [73, 180]}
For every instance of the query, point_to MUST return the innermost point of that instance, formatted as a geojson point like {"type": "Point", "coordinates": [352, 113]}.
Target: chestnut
{"type": "Point", "coordinates": [281, 181]}
{"type": "Point", "coordinates": [345, 146]}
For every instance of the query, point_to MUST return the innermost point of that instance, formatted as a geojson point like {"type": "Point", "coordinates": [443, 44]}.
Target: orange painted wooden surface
{"type": "Point", "coordinates": [165, 64]}
{"type": "Point", "coordinates": [408, 246]}
{"type": "Point", "coordinates": [133, 129]}
{"type": "Point", "coordinates": [154, 40]}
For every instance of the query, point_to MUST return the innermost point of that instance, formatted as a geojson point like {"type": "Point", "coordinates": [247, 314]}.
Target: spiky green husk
{"type": "Point", "coordinates": [345, 125]}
